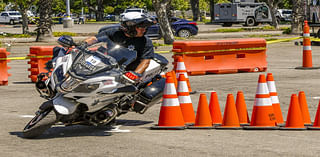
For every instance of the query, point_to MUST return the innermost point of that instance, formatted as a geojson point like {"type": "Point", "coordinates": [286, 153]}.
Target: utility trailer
{"type": "Point", "coordinates": [246, 12]}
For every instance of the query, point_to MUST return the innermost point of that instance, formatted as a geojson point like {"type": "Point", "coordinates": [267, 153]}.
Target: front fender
{"type": "Point", "coordinates": [64, 106]}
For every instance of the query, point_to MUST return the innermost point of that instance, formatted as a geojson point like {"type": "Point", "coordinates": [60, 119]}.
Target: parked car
{"type": "Point", "coordinates": [10, 17]}
{"type": "Point", "coordinates": [181, 28]}
{"type": "Point", "coordinates": [284, 15]}
{"type": "Point", "coordinates": [134, 9]}
{"type": "Point", "coordinates": [110, 17]}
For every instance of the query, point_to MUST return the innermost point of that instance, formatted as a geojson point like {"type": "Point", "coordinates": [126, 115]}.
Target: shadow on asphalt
{"type": "Point", "coordinates": [81, 130]}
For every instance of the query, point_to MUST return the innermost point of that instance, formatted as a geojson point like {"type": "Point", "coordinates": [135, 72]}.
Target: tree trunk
{"type": "Point", "coordinates": [273, 6]}
{"type": "Point", "coordinates": [160, 8]}
{"type": "Point", "coordinates": [44, 31]}
{"type": "Point", "coordinates": [298, 13]}
{"type": "Point", "coordinates": [100, 11]}
{"type": "Point", "coordinates": [212, 10]}
{"type": "Point", "coordinates": [195, 9]}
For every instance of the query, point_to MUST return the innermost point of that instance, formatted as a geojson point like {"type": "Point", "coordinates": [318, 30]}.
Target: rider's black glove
{"type": "Point", "coordinates": [83, 45]}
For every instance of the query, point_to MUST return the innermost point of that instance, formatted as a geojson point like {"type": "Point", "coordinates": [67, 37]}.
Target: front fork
{"type": "Point", "coordinates": [42, 86]}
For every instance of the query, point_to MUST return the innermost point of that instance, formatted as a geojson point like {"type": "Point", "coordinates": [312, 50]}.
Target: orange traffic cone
{"type": "Point", "coordinates": [203, 118]}
{"type": "Point", "coordinates": [185, 101]}
{"type": "Point", "coordinates": [274, 99]}
{"type": "Point", "coordinates": [294, 116]}
{"type": "Point", "coordinates": [242, 109]}
{"type": "Point", "coordinates": [307, 52]}
{"type": "Point", "coordinates": [181, 69]}
{"type": "Point", "coordinates": [316, 123]}
{"type": "Point", "coordinates": [4, 67]}
{"type": "Point", "coordinates": [170, 113]}
{"type": "Point", "coordinates": [174, 78]}
{"type": "Point", "coordinates": [262, 114]}
{"type": "Point", "coordinates": [214, 108]}
{"type": "Point", "coordinates": [230, 115]}
{"type": "Point", "coordinates": [304, 108]}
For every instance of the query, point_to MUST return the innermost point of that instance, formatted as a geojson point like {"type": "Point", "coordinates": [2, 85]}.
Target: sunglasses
{"type": "Point", "coordinates": [142, 26]}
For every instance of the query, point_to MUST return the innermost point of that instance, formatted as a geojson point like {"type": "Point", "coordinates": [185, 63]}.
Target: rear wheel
{"type": "Point", "coordinates": [184, 33]}
{"type": "Point", "coordinates": [40, 123]}
{"type": "Point", "coordinates": [250, 21]}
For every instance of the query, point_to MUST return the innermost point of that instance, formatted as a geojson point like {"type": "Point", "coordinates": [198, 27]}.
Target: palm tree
{"type": "Point", "coordinates": [44, 23]}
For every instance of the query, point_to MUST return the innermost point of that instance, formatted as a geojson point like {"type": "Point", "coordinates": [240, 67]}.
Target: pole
{"type": "Point", "coordinates": [68, 7]}
{"type": "Point", "coordinates": [68, 21]}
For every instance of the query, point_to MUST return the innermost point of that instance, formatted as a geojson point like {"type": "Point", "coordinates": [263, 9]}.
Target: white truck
{"type": "Point", "coordinates": [10, 17]}
{"type": "Point", "coordinates": [242, 11]}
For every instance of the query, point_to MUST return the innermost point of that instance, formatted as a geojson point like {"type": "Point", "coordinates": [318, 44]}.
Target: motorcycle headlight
{"type": "Point", "coordinates": [69, 83]}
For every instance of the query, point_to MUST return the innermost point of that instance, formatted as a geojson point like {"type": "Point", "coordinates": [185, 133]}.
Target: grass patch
{"type": "Point", "coordinates": [263, 35]}
{"type": "Point", "coordinates": [286, 30]}
{"type": "Point", "coordinates": [155, 44]}
{"type": "Point", "coordinates": [58, 34]}
{"type": "Point", "coordinates": [271, 39]}
{"type": "Point", "coordinates": [5, 35]}
{"type": "Point", "coordinates": [229, 30]}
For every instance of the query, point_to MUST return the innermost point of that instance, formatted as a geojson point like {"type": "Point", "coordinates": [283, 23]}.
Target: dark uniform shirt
{"type": "Point", "coordinates": [143, 45]}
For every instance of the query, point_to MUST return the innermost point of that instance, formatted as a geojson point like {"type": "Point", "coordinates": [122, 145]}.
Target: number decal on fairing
{"type": "Point", "coordinates": [92, 60]}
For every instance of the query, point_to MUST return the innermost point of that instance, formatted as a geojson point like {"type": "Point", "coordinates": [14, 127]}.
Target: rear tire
{"type": "Point", "coordinates": [184, 33]}
{"type": "Point", "coordinates": [250, 21]}
{"type": "Point", "coordinates": [39, 124]}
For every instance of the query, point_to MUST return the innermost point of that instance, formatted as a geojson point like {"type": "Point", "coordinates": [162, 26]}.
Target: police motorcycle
{"type": "Point", "coordinates": [92, 88]}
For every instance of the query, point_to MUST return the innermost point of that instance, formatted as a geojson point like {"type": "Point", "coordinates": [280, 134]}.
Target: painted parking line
{"type": "Point", "coordinates": [26, 116]}
{"type": "Point", "coordinates": [117, 129]}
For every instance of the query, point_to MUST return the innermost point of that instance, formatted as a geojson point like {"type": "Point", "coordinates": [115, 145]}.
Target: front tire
{"type": "Point", "coordinates": [39, 124]}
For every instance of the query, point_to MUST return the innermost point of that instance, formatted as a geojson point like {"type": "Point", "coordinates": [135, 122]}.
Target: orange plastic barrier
{"type": "Point", "coordinates": [222, 56]}
{"type": "Point", "coordinates": [39, 55]}
{"type": "Point", "coordinates": [3, 67]}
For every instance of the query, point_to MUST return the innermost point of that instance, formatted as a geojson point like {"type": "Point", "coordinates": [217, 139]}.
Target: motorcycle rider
{"type": "Point", "coordinates": [130, 35]}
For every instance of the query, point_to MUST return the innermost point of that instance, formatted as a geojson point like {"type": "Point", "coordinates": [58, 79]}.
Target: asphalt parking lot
{"type": "Point", "coordinates": [132, 137]}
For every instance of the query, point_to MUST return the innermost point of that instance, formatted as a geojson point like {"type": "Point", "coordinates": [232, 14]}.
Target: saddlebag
{"type": "Point", "coordinates": [149, 96]}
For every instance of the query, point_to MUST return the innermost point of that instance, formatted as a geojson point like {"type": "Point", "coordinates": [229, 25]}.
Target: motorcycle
{"type": "Point", "coordinates": [89, 87]}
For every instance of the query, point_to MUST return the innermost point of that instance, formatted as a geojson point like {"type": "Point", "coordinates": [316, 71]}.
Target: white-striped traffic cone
{"type": "Point", "coordinates": [262, 114]}
{"type": "Point", "coordinates": [274, 99]}
{"type": "Point", "coordinates": [185, 101]}
{"type": "Point", "coordinates": [170, 113]}
{"type": "Point", "coordinates": [181, 69]}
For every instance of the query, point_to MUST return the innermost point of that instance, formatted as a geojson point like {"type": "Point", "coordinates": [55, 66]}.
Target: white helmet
{"type": "Point", "coordinates": [131, 20]}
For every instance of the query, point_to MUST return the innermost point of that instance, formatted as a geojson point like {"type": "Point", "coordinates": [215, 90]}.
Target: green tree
{"type": "Point", "coordinates": [181, 5]}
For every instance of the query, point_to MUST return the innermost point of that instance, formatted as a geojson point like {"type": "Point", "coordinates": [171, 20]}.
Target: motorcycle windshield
{"type": "Point", "coordinates": [91, 63]}
{"type": "Point", "coordinates": [123, 56]}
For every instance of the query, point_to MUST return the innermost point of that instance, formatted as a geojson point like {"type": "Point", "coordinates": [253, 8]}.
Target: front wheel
{"type": "Point", "coordinates": [39, 124]}
{"type": "Point", "coordinates": [184, 33]}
